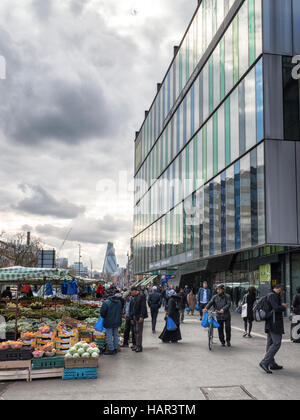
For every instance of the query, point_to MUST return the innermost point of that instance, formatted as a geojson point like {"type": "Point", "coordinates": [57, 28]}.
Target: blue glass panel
{"type": "Point", "coordinates": [178, 130]}
{"type": "Point", "coordinates": [211, 218]}
{"type": "Point", "coordinates": [237, 200]}
{"type": "Point", "coordinates": [259, 102]}
{"type": "Point", "coordinates": [192, 111]}
{"type": "Point", "coordinates": [223, 212]}
{"type": "Point", "coordinates": [169, 91]}
{"type": "Point", "coordinates": [254, 203]}
{"type": "Point", "coordinates": [184, 120]}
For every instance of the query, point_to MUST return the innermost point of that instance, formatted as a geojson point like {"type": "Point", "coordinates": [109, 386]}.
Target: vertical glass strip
{"type": "Point", "coordinates": [251, 13]}
{"type": "Point", "coordinates": [223, 212]}
{"type": "Point", "coordinates": [193, 110]}
{"type": "Point", "coordinates": [259, 102]}
{"type": "Point", "coordinates": [222, 69]}
{"type": "Point", "coordinates": [204, 142]}
{"type": "Point", "coordinates": [235, 49]}
{"type": "Point", "coordinates": [227, 131]}
{"type": "Point", "coordinates": [180, 71]}
{"type": "Point", "coordinates": [214, 16]}
{"type": "Point", "coordinates": [215, 140]}
{"type": "Point", "coordinates": [195, 165]}
{"type": "Point", "coordinates": [211, 84]}
{"type": "Point", "coordinates": [184, 119]}
{"type": "Point", "coordinates": [242, 124]}
{"type": "Point", "coordinates": [254, 213]}
{"type": "Point", "coordinates": [237, 201]}
{"type": "Point", "coordinates": [211, 218]}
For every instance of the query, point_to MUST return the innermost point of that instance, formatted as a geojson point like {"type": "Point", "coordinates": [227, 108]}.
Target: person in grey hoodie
{"type": "Point", "coordinates": [111, 312]}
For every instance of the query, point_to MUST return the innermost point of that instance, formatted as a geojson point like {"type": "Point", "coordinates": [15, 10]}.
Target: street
{"type": "Point", "coordinates": [178, 371]}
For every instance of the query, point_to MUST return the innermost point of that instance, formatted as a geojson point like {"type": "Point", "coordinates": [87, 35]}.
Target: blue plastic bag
{"type": "Point", "coordinates": [215, 323]}
{"type": "Point", "coordinates": [99, 325]}
{"type": "Point", "coordinates": [171, 326]}
{"type": "Point", "coordinates": [188, 309]}
{"type": "Point", "coordinates": [197, 307]}
{"type": "Point", "coordinates": [205, 323]}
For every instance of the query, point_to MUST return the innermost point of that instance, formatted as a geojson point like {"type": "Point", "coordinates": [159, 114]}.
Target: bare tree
{"type": "Point", "coordinates": [14, 250]}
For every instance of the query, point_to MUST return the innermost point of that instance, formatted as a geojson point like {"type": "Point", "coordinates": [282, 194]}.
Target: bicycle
{"type": "Point", "coordinates": [211, 328]}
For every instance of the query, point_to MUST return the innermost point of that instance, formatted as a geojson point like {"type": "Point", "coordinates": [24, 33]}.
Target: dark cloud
{"type": "Point", "coordinates": [88, 230]}
{"type": "Point", "coordinates": [40, 202]}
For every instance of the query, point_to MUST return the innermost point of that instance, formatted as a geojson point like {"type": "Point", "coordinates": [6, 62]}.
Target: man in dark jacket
{"type": "Point", "coordinates": [274, 328]}
{"type": "Point", "coordinates": [128, 314]}
{"type": "Point", "coordinates": [139, 314]}
{"type": "Point", "coordinates": [183, 303]}
{"type": "Point", "coordinates": [111, 312]}
{"type": "Point", "coordinates": [154, 302]}
{"type": "Point", "coordinates": [296, 302]}
{"type": "Point", "coordinates": [222, 303]}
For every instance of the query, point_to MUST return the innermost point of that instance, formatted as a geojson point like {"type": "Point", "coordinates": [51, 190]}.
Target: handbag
{"type": "Point", "coordinates": [171, 326]}
{"type": "Point", "coordinates": [244, 307]}
{"type": "Point", "coordinates": [99, 325]}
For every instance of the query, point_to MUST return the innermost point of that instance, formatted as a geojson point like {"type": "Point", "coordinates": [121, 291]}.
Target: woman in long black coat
{"type": "Point", "coordinates": [249, 298]}
{"type": "Point", "coordinates": [172, 312]}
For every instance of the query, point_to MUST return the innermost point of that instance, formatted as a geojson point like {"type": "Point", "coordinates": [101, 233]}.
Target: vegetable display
{"type": "Point", "coordinates": [83, 350]}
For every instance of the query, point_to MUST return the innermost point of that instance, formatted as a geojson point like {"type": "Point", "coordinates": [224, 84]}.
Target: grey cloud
{"type": "Point", "coordinates": [40, 202]}
{"type": "Point", "coordinates": [88, 230]}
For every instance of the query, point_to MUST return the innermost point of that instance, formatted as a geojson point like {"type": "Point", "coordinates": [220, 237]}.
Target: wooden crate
{"type": "Point", "coordinates": [14, 370]}
{"type": "Point", "coordinates": [46, 373]}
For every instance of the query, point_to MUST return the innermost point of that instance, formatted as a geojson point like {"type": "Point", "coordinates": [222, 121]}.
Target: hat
{"type": "Point", "coordinates": [154, 288]}
{"type": "Point", "coordinates": [221, 286]}
{"type": "Point", "coordinates": [171, 292]}
{"type": "Point", "coordinates": [126, 294]}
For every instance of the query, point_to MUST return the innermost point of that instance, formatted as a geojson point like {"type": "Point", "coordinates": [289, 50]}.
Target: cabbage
{"type": "Point", "coordinates": [76, 355]}
{"type": "Point", "coordinates": [85, 346]}
{"type": "Point", "coordinates": [72, 350]}
{"type": "Point", "coordinates": [90, 350]}
{"type": "Point", "coordinates": [85, 355]}
{"type": "Point", "coordinates": [95, 354]}
{"type": "Point", "coordinates": [96, 350]}
{"type": "Point", "coordinates": [68, 355]}
{"type": "Point", "coordinates": [80, 351]}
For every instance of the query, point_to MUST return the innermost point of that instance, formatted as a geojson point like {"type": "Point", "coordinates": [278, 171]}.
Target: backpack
{"type": "Point", "coordinates": [261, 309]}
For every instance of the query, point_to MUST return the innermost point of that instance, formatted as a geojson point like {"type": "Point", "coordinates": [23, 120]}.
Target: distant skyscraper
{"type": "Point", "coordinates": [110, 266]}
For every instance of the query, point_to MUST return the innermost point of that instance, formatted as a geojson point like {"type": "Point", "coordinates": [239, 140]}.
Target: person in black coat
{"type": "Point", "coordinates": [172, 312]}
{"type": "Point", "coordinates": [139, 313]}
{"type": "Point", "coordinates": [154, 302]}
{"type": "Point", "coordinates": [183, 304]}
{"type": "Point", "coordinates": [274, 328]}
{"type": "Point", "coordinates": [296, 302]}
{"type": "Point", "coordinates": [7, 293]}
{"type": "Point", "coordinates": [249, 298]}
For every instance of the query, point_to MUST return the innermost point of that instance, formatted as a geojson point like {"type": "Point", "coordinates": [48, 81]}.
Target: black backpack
{"type": "Point", "coordinates": [261, 309]}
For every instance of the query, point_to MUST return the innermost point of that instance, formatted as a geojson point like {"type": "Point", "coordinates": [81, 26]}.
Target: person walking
{"type": "Point", "coordinates": [249, 299]}
{"type": "Point", "coordinates": [7, 293]}
{"type": "Point", "coordinates": [154, 302]}
{"type": "Point", "coordinates": [274, 328]}
{"type": "Point", "coordinates": [221, 302]}
{"type": "Point", "coordinates": [203, 297]}
{"type": "Point", "coordinates": [183, 304]}
{"type": "Point", "coordinates": [191, 298]}
{"type": "Point", "coordinates": [296, 302]}
{"type": "Point", "coordinates": [99, 291]}
{"type": "Point", "coordinates": [111, 312]}
{"type": "Point", "coordinates": [139, 314]}
{"type": "Point", "coordinates": [172, 312]}
{"type": "Point", "coordinates": [128, 307]}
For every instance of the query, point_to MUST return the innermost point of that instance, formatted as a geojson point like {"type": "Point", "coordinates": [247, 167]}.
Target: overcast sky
{"type": "Point", "coordinates": [79, 76]}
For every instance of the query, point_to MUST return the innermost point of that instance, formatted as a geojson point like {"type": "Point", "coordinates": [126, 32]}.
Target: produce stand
{"type": "Point", "coordinates": [13, 370]}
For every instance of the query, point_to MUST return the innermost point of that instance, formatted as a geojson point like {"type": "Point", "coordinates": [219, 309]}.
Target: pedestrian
{"type": "Point", "coordinates": [203, 297]}
{"type": "Point", "coordinates": [221, 303]}
{"type": "Point", "coordinates": [139, 314]}
{"type": "Point", "coordinates": [187, 289]}
{"type": "Point", "coordinates": [183, 304]}
{"type": "Point", "coordinates": [128, 314]}
{"type": "Point", "coordinates": [172, 312]}
{"type": "Point", "coordinates": [154, 302]}
{"type": "Point", "coordinates": [166, 297]}
{"type": "Point", "coordinates": [274, 328]}
{"type": "Point", "coordinates": [7, 293]}
{"type": "Point", "coordinates": [111, 312]}
{"type": "Point", "coordinates": [191, 298]}
{"type": "Point", "coordinates": [99, 291]}
{"type": "Point", "coordinates": [296, 302]}
{"type": "Point", "coordinates": [249, 299]}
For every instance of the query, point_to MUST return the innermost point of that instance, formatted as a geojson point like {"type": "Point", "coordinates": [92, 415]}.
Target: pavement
{"type": "Point", "coordinates": [183, 371]}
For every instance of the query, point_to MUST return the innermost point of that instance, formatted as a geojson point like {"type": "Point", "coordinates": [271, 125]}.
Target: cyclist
{"type": "Point", "coordinates": [222, 303]}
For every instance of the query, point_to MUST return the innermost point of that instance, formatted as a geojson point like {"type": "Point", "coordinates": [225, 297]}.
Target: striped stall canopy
{"type": "Point", "coordinates": [28, 273]}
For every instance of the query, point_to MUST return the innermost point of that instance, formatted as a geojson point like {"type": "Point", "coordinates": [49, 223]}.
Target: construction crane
{"type": "Point", "coordinates": [64, 241]}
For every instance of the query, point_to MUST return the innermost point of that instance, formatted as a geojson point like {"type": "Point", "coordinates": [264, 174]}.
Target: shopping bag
{"type": "Point", "coordinates": [171, 326]}
{"type": "Point", "coordinates": [197, 307]}
{"type": "Point", "coordinates": [244, 310]}
{"type": "Point", "coordinates": [239, 310]}
{"type": "Point", "coordinates": [99, 325]}
{"type": "Point", "coordinates": [214, 322]}
{"type": "Point", "coordinates": [188, 309]}
{"type": "Point", "coordinates": [205, 323]}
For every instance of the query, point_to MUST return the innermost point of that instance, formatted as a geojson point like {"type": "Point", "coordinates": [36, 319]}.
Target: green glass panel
{"type": "Point", "coordinates": [204, 142]}
{"type": "Point", "coordinates": [161, 154]}
{"type": "Point", "coordinates": [211, 84]}
{"type": "Point", "coordinates": [184, 230]}
{"type": "Point", "coordinates": [222, 69]}
{"type": "Point", "coordinates": [214, 16]}
{"type": "Point", "coordinates": [227, 131]}
{"type": "Point", "coordinates": [167, 146]}
{"type": "Point", "coordinates": [195, 168]}
{"type": "Point", "coordinates": [236, 49]}
{"type": "Point", "coordinates": [215, 136]}
{"type": "Point", "coordinates": [251, 6]}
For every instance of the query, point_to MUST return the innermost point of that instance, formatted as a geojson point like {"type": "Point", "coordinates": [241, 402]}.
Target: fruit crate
{"type": "Point", "coordinates": [100, 343]}
{"type": "Point", "coordinates": [48, 363]}
{"type": "Point", "coordinates": [10, 336]}
{"type": "Point", "coordinates": [11, 354]}
{"type": "Point", "coordinates": [81, 362]}
{"type": "Point", "coordinates": [86, 373]}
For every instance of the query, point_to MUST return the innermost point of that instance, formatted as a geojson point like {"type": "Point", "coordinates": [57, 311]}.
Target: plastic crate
{"type": "Point", "coordinates": [82, 362]}
{"type": "Point", "coordinates": [48, 363]}
{"type": "Point", "coordinates": [85, 373]}
{"type": "Point", "coordinates": [11, 354]}
{"type": "Point", "coordinates": [100, 343]}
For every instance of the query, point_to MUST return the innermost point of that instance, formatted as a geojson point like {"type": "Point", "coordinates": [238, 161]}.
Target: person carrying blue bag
{"type": "Point", "coordinates": [171, 332]}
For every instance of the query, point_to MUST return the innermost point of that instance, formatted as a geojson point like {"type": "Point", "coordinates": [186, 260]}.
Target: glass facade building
{"type": "Point", "coordinates": [212, 154]}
